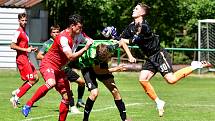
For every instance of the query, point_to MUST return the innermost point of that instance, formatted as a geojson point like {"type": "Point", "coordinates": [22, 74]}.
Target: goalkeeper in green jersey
{"type": "Point", "coordinates": [54, 31]}
{"type": "Point", "coordinates": [94, 65]}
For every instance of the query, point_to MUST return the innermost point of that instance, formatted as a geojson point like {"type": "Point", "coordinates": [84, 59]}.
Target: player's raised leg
{"type": "Point", "coordinates": [33, 79]}
{"type": "Point", "coordinates": [175, 77]}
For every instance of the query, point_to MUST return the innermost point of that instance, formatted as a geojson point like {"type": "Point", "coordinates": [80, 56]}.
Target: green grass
{"type": "Point", "coordinates": [192, 99]}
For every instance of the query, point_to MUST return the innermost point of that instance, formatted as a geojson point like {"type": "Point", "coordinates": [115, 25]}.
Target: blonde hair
{"type": "Point", "coordinates": [145, 7]}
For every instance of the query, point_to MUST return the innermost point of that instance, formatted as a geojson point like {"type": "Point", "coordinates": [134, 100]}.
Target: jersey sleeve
{"type": "Point", "coordinates": [125, 34]}
{"type": "Point", "coordinates": [15, 36]}
{"type": "Point", "coordinates": [42, 50]}
{"type": "Point", "coordinates": [84, 38]}
{"type": "Point", "coordinates": [64, 43]}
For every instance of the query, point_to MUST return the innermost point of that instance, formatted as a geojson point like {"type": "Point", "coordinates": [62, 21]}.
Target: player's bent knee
{"type": "Point", "coordinates": [36, 78]}
{"type": "Point", "coordinates": [171, 80]}
{"type": "Point", "coordinates": [94, 93]}
{"type": "Point", "coordinates": [116, 94]}
{"type": "Point", "coordinates": [82, 84]}
{"type": "Point", "coordinates": [65, 96]}
{"type": "Point", "coordinates": [115, 91]}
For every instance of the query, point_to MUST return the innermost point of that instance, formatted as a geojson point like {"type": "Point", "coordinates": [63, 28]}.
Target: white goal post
{"type": "Point", "coordinates": [206, 40]}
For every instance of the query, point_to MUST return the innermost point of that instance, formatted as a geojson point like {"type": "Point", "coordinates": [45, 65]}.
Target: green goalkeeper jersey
{"type": "Point", "coordinates": [89, 57]}
{"type": "Point", "coordinates": [46, 46]}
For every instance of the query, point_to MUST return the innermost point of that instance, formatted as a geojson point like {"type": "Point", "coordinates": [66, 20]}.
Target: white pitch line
{"type": "Point", "coordinates": [192, 105]}
{"type": "Point", "coordinates": [37, 118]}
{"type": "Point", "coordinates": [112, 107]}
{"type": "Point", "coordinates": [97, 110]}
{"type": "Point", "coordinates": [103, 109]}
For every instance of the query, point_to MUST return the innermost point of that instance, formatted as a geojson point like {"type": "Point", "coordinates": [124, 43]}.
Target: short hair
{"type": "Point", "coordinates": [145, 7]}
{"type": "Point", "coordinates": [55, 27]}
{"type": "Point", "coordinates": [75, 19]}
{"type": "Point", "coordinates": [22, 15]}
{"type": "Point", "coordinates": [102, 52]}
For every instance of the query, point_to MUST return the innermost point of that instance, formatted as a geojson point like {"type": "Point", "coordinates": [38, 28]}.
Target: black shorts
{"type": "Point", "coordinates": [71, 75]}
{"type": "Point", "coordinates": [159, 62]}
{"type": "Point", "coordinates": [90, 77]}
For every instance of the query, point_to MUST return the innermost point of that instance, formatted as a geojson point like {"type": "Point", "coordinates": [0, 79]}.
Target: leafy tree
{"type": "Point", "coordinates": [174, 20]}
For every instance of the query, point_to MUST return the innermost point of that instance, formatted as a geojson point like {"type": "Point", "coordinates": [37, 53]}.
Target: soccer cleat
{"type": "Point", "coordinates": [74, 110]}
{"type": "Point", "coordinates": [26, 110]}
{"type": "Point", "coordinates": [160, 107]}
{"type": "Point", "coordinates": [14, 102]}
{"type": "Point", "coordinates": [201, 64]}
{"type": "Point", "coordinates": [13, 95]}
{"type": "Point", "coordinates": [80, 104]}
{"type": "Point", "coordinates": [206, 64]}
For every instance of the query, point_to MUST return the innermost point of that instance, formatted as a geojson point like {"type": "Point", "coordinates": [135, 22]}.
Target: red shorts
{"type": "Point", "coordinates": [26, 69]}
{"type": "Point", "coordinates": [62, 84]}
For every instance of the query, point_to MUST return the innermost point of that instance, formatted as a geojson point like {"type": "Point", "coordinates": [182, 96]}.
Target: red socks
{"type": "Point", "coordinates": [23, 89]}
{"type": "Point", "coordinates": [41, 91]}
{"type": "Point", "coordinates": [63, 110]}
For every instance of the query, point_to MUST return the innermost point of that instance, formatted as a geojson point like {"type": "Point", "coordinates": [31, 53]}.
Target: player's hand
{"type": "Point", "coordinates": [30, 49]}
{"type": "Point", "coordinates": [121, 67]}
{"type": "Point", "coordinates": [89, 43]}
{"type": "Point", "coordinates": [34, 49]}
{"type": "Point", "coordinates": [132, 59]}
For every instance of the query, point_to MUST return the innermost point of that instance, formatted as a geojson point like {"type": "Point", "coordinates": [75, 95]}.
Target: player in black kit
{"type": "Point", "coordinates": [157, 59]}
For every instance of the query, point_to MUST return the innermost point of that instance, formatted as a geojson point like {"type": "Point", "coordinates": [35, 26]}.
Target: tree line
{"type": "Point", "coordinates": [175, 21]}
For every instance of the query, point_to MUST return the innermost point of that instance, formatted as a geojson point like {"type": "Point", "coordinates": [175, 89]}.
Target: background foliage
{"type": "Point", "coordinates": [174, 20]}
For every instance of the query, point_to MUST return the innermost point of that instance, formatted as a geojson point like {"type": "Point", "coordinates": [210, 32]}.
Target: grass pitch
{"type": "Point", "coordinates": [191, 99]}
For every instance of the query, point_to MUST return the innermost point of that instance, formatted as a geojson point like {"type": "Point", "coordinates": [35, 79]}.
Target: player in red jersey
{"type": "Point", "coordinates": [51, 66]}
{"type": "Point", "coordinates": [27, 70]}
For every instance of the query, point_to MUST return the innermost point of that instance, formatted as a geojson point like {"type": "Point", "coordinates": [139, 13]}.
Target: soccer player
{"type": "Point", "coordinates": [73, 76]}
{"type": "Point", "coordinates": [70, 73]}
{"type": "Point", "coordinates": [95, 66]}
{"type": "Point", "coordinates": [58, 55]}
{"type": "Point", "coordinates": [54, 31]}
{"type": "Point", "coordinates": [27, 70]}
{"type": "Point", "coordinates": [158, 60]}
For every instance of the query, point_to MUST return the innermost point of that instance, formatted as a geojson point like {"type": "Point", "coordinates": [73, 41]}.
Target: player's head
{"type": "Point", "coordinates": [140, 10]}
{"type": "Point", "coordinates": [22, 18]}
{"type": "Point", "coordinates": [54, 31]}
{"type": "Point", "coordinates": [103, 53]}
{"type": "Point", "coordinates": [75, 23]}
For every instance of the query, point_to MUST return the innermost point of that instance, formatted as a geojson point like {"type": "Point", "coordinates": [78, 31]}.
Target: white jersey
{"type": "Point", "coordinates": [78, 39]}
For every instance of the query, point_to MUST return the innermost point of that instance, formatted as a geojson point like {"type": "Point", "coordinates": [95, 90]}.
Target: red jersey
{"type": "Point", "coordinates": [21, 40]}
{"type": "Point", "coordinates": [55, 57]}
{"type": "Point", "coordinates": [26, 68]}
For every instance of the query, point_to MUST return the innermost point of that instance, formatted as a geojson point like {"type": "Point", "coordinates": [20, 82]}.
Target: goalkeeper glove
{"type": "Point", "coordinates": [110, 31]}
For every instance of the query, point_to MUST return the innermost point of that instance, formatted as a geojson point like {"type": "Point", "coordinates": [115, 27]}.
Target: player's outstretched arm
{"type": "Point", "coordinates": [123, 44]}
{"type": "Point", "coordinates": [73, 56]}
{"type": "Point", "coordinates": [119, 68]}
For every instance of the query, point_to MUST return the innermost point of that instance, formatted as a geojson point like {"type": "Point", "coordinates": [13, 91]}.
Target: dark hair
{"type": "Point", "coordinates": [145, 7]}
{"type": "Point", "coordinates": [55, 27]}
{"type": "Point", "coordinates": [74, 19]}
{"type": "Point", "coordinates": [22, 15]}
